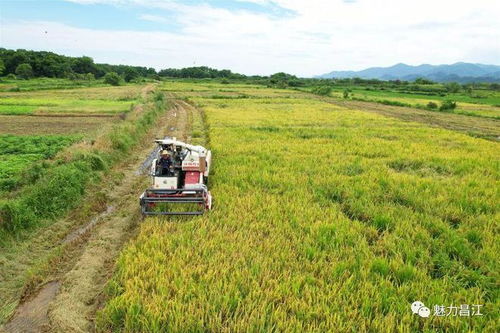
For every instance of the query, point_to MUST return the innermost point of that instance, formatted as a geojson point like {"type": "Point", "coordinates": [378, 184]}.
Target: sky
{"type": "Point", "coordinates": [301, 37]}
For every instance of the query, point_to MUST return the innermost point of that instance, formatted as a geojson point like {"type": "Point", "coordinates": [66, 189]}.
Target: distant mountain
{"type": "Point", "coordinates": [459, 72]}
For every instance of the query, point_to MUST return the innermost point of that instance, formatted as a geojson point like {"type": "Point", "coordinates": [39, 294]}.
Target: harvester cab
{"type": "Point", "coordinates": [179, 175]}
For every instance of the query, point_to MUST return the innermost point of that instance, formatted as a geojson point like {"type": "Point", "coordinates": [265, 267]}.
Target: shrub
{"type": "Point", "coordinates": [432, 105]}
{"type": "Point", "coordinates": [112, 78]}
{"type": "Point", "coordinates": [448, 106]}
{"type": "Point", "coordinates": [346, 94]}
{"type": "Point", "coordinates": [322, 90]}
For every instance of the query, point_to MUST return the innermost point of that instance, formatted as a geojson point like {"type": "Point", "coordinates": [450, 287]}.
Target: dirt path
{"type": "Point", "coordinates": [486, 128]}
{"type": "Point", "coordinates": [68, 302]}
{"type": "Point", "coordinates": [74, 307]}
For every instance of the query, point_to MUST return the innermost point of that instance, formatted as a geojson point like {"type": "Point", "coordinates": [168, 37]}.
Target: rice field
{"type": "Point", "coordinates": [18, 154]}
{"type": "Point", "coordinates": [487, 106]}
{"type": "Point", "coordinates": [325, 219]}
{"type": "Point", "coordinates": [36, 124]}
{"type": "Point", "coordinates": [75, 101]}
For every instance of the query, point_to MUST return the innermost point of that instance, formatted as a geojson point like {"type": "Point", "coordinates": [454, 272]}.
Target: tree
{"type": "Point", "coordinates": [112, 78]}
{"type": "Point", "coordinates": [84, 65]}
{"type": "Point", "coordinates": [130, 74]}
{"type": "Point", "coordinates": [422, 80]}
{"type": "Point", "coordinates": [2, 67]}
{"type": "Point", "coordinates": [452, 87]}
{"type": "Point", "coordinates": [24, 71]}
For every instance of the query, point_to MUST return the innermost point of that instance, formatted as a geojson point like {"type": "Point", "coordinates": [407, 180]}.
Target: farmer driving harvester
{"type": "Point", "coordinates": [179, 175]}
{"type": "Point", "coordinates": [165, 163]}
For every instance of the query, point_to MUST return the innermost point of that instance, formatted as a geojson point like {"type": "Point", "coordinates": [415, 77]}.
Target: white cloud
{"type": "Point", "coordinates": [320, 36]}
{"type": "Point", "coordinates": [153, 18]}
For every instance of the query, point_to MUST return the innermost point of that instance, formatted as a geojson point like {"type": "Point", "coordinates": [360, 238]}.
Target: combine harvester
{"type": "Point", "coordinates": [179, 176]}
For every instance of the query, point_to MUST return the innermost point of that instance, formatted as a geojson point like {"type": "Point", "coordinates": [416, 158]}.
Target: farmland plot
{"type": "Point", "coordinates": [486, 105]}
{"type": "Point", "coordinates": [30, 119]}
{"type": "Point", "coordinates": [45, 176]}
{"type": "Point", "coordinates": [325, 219]}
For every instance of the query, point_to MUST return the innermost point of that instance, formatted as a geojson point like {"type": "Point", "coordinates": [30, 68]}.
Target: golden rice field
{"type": "Point", "coordinates": [325, 220]}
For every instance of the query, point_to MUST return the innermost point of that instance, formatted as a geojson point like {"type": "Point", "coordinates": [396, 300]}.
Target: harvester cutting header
{"type": "Point", "coordinates": [179, 176]}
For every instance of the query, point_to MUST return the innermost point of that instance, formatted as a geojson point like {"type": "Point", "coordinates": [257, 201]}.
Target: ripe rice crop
{"type": "Point", "coordinates": [325, 219]}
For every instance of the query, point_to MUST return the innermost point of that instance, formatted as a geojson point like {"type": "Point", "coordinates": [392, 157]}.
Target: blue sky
{"type": "Point", "coordinates": [257, 36]}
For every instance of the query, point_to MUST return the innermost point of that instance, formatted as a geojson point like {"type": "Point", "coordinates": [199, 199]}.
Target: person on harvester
{"type": "Point", "coordinates": [165, 162]}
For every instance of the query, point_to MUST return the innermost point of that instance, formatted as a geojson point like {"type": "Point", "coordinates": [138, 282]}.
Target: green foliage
{"type": "Point", "coordinates": [130, 74]}
{"type": "Point", "coordinates": [58, 191]}
{"type": "Point", "coordinates": [453, 87]}
{"type": "Point", "coordinates": [22, 156]}
{"type": "Point", "coordinates": [345, 94]}
{"type": "Point", "coordinates": [447, 106]}
{"type": "Point", "coordinates": [432, 105]}
{"type": "Point", "coordinates": [421, 80]}
{"type": "Point", "coordinates": [282, 80]}
{"type": "Point", "coordinates": [112, 78]}
{"type": "Point", "coordinates": [24, 71]}
{"type": "Point", "coordinates": [48, 64]}
{"type": "Point", "coordinates": [199, 72]}
{"type": "Point", "coordinates": [322, 90]}
{"type": "Point", "coordinates": [2, 66]}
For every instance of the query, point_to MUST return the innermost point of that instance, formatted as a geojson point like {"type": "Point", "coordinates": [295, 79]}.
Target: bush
{"type": "Point", "coordinates": [322, 90]}
{"type": "Point", "coordinates": [448, 106]}
{"type": "Point", "coordinates": [24, 71]}
{"type": "Point", "coordinates": [112, 78]}
{"type": "Point", "coordinates": [432, 105]}
{"type": "Point", "coordinates": [346, 94]}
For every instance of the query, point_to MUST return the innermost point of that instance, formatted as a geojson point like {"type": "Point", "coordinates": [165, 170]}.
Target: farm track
{"type": "Point", "coordinates": [486, 128]}
{"type": "Point", "coordinates": [68, 301]}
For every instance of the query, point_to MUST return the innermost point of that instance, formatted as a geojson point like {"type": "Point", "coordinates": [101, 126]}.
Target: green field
{"type": "Point", "coordinates": [15, 85]}
{"type": "Point", "coordinates": [326, 219]}
{"type": "Point", "coordinates": [75, 101]}
{"type": "Point", "coordinates": [483, 103]}
{"type": "Point", "coordinates": [18, 154]}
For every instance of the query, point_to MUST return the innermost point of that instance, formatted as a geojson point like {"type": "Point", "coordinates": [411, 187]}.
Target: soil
{"type": "Point", "coordinates": [32, 316]}
{"type": "Point", "coordinates": [40, 125]}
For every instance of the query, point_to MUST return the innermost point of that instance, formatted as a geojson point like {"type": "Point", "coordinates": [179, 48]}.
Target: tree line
{"type": "Point", "coordinates": [30, 64]}
{"type": "Point", "coordinates": [27, 64]}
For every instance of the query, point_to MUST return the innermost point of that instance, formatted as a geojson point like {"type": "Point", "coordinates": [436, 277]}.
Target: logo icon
{"type": "Point", "coordinates": [419, 308]}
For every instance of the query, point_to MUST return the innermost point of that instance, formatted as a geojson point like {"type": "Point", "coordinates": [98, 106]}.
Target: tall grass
{"type": "Point", "coordinates": [325, 219]}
